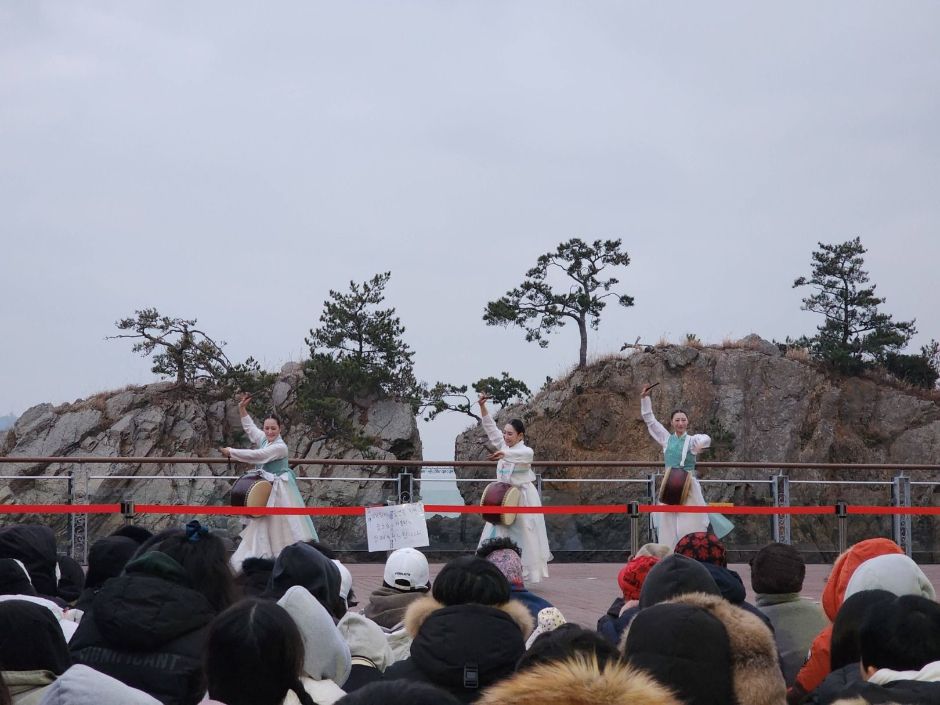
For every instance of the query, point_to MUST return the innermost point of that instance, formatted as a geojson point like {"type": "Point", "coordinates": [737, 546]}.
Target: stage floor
{"type": "Point", "coordinates": [584, 591]}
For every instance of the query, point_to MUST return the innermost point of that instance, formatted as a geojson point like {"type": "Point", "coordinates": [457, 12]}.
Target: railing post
{"type": "Point", "coordinates": [633, 511]}
{"type": "Point", "coordinates": [651, 488]}
{"type": "Point", "coordinates": [781, 490]}
{"type": "Point", "coordinates": [405, 487]}
{"type": "Point", "coordinates": [842, 515]}
{"type": "Point", "coordinates": [128, 511]}
{"type": "Point", "coordinates": [78, 494]}
{"type": "Point", "coordinates": [901, 496]}
{"type": "Point", "coordinates": [538, 485]}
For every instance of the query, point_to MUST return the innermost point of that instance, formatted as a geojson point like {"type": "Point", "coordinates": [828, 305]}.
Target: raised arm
{"type": "Point", "coordinates": [255, 434]}
{"type": "Point", "coordinates": [493, 433]}
{"type": "Point", "coordinates": [656, 429]}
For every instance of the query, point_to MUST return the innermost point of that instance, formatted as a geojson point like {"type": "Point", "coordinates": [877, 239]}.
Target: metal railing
{"type": "Point", "coordinates": [78, 477]}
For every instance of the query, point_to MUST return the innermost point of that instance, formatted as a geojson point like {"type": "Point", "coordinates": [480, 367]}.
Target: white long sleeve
{"type": "Point", "coordinates": [260, 456]}
{"type": "Point", "coordinates": [255, 434]}
{"type": "Point", "coordinates": [493, 433]}
{"type": "Point", "coordinates": [656, 429]}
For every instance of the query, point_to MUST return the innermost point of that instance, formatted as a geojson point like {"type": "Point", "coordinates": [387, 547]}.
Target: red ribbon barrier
{"type": "Point", "coordinates": [457, 509]}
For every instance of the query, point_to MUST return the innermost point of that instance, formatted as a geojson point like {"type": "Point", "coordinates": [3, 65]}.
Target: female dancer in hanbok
{"type": "Point", "coordinates": [515, 467]}
{"type": "Point", "coordinates": [680, 450]}
{"type": "Point", "coordinates": [265, 536]}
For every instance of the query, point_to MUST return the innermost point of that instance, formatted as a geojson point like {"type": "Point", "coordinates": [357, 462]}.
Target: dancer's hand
{"type": "Point", "coordinates": [483, 398]}
{"type": "Point", "coordinates": [243, 404]}
{"type": "Point", "coordinates": [647, 388]}
{"type": "Point", "coordinates": [227, 452]}
{"type": "Point", "coordinates": [498, 455]}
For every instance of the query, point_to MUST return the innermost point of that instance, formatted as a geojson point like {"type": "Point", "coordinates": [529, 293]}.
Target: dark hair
{"type": "Point", "coordinates": [134, 532]}
{"type": "Point", "coordinates": [470, 579]}
{"type": "Point", "coordinates": [844, 644]}
{"type": "Point", "coordinates": [274, 417]}
{"type": "Point", "coordinates": [518, 426]}
{"type": "Point", "coordinates": [253, 655]}
{"type": "Point", "coordinates": [566, 641]}
{"type": "Point", "coordinates": [678, 411]}
{"type": "Point", "coordinates": [204, 559]}
{"type": "Point", "coordinates": [399, 692]}
{"type": "Point", "coordinates": [502, 543]}
{"type": "Point", "coordinates": [903, 635]}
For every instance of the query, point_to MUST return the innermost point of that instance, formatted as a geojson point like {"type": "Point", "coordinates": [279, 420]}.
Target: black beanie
{"type": "Point", "coordinates": [107, 558]}
{"type": "Point", "coordinates": [777, 569]}
{"type": "Point", "coordinates": [676, 575]}
{"type": "Point", "coordinates": [14, 580]}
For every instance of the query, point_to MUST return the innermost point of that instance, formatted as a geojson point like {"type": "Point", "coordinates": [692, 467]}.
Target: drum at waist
{"type": "Point", "coordinates": [500, 494]}
{"type": "Point", "coordinates": [251, 490]}
{"type": "Point", "coordinates": [677, 482]}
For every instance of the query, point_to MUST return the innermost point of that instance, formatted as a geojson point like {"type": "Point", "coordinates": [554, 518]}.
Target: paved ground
{"type": "Point", "coordinates": [584, 591]}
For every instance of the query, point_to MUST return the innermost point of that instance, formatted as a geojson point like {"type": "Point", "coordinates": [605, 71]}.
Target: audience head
{"type": "Point", "coordinates": [894, 572]}
{"type": "Point", "coordinates": [31, 638]}
{"type": "Point", "coordinates": [676, 575]}
{"type": "Point", "coordinates": [845, 565]}
{"type": "Point", "coordinates": [34, 546]}
{"type": "Point", "coordinates": [684, 647]}
{"type": "Point", "coordinates": [203, 558]}
{"type": "Point", "coordinates": [506, 555]}
{"type": "Point", "coordinates": [579, 680]}
{"type": "Point", "coordinates": [107, 558]}
{"type": "Point", "coordinates": [71, 579]}
{"type": "Point", "coordinates": [704, 547]}
{"type": "Point", "coordinates": [14, 580]}
{"type": "Point", "coordinates": [254, 655]}
{"type": "Point", "coordinates": [656, 550]}
{"type": "Point", "coordinates": [903, 635]}
{"type": "Point", "coordinates": [254, 576]}
{"type": "Point", "coordinates": [407, 570]}
{"type": "Point", "coordinates": [346, 593]}
{"type": "Point", "coordinates": [326, 653]}
{"type": "Point", "coordinates": [548, 620]}
{"type": "Point", "coordinates": [566, 641]}
{"type": "Point", "coordinates": [844, 647]}
{"type": "Point", "coordinates": [777, 569]}
{"type": "Point", "coordinates": [470, 579]}
{"type": "Point", "coordinates": [301, 564]}
{"type": "Point", "coordinates": [135, 533]}
{"type": "Point", "coordinates": [632, 576]}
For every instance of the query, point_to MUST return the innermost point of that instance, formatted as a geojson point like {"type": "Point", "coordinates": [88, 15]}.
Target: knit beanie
{"type": "Point", "coordinates": [107, 558]}
{"type": "Point", "coordinates": [509, 564]}
{"type": "Point", "coordinates": [777, 569]}
{"type": "Point", "coordinates": [704, 547]}
{"type": "Point", "coordinates": [631, 576]}
{"type": "Point", "coordinates": [673, 576]}
{"type": "Point", "coordinates": [14, 580]}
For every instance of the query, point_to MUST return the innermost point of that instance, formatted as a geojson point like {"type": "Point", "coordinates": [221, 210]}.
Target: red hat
{"type": "Point", "coordinates": [633, 574]}
{"type": "Point", "coordinates": [704, 547]}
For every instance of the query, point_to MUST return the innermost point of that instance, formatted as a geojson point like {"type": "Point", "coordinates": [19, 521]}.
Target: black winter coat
{"type": "Point", "coordinates": [147, 628]}
{"type": "Point", "coordinates": [463, 649]}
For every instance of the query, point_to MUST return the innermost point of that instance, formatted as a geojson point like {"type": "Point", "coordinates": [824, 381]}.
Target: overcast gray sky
{"type": "Point", "coordinates": [234, 161]}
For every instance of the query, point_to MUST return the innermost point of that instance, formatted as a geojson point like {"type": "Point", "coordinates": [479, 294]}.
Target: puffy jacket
{"type": "Point", "coordinates": [463, 648]}
{"type": "Point", "coordinates": [147, 629]}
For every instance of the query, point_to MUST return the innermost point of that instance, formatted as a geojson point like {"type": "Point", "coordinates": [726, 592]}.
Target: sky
{"type": "Point", "coordinates": [233, 162]}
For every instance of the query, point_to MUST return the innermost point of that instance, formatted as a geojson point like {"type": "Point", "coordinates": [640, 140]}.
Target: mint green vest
{"type": "Point", "coordinates": [673, 454]}
{"type": "Point", "coordinates": [275, 467]}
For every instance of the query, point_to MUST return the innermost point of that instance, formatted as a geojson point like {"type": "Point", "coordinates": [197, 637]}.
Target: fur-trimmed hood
{"type": "Point", "coordinates": [579, 681]}
{"type": "Point", "coordinates": [419, 610]}
{"type": "Point", "coordinates": [755, 669]}
{"type": "Point", "coordinates": [463, 648]}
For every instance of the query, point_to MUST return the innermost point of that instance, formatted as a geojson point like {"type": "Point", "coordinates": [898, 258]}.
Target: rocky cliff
{"type": "Point", "coordinates": [759, 406]}
{"type": "Point", "coordinates": [158, 421]}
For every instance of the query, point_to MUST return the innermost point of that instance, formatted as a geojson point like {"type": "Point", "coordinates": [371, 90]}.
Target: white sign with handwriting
{"type": "Point", "coordinates": [397, 526]}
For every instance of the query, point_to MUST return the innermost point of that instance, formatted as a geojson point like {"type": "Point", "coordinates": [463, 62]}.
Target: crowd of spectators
{"type": "Point", "coordinates": [162, 619]}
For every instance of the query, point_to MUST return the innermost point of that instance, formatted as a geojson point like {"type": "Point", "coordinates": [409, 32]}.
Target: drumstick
{"type": "Point", "coordinates": [650, 388]}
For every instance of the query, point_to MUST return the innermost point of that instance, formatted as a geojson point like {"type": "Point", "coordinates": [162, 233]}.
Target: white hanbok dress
{"type": "Point", "coordinates": [528, 530]}
{"type": "Point", "coordinates": [266, 536]}
{"type": "Point", "coordinates": [682, 452]}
